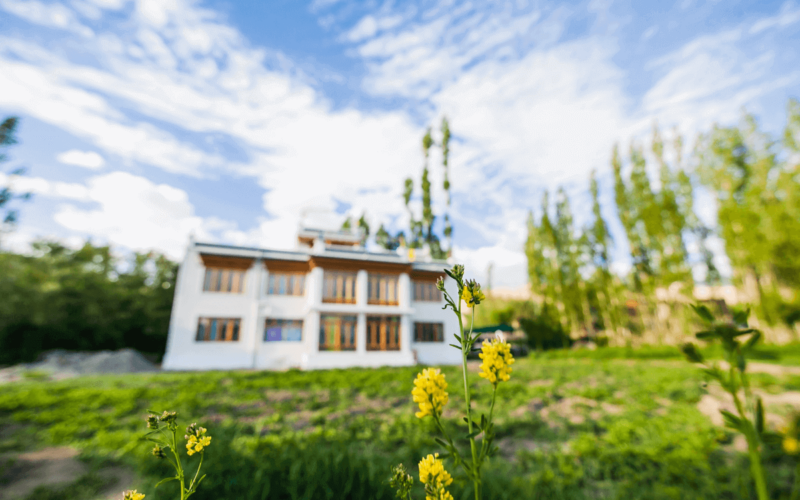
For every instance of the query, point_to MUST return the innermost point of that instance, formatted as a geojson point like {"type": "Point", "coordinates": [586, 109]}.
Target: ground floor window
{"type": "Point", "coordinates": [337, 332]}
{"type": "Point", "coordinates": [277, 330]}
{"type": "Point", "coordinates": [428, 332]}
{"type": "Point", "coordinates": [218, 329]}
{"type": "Point", "coordinates": [383, 333]}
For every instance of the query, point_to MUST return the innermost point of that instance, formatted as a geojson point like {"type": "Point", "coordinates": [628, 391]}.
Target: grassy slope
{"type": "Point", "coordinates": [570, 427]}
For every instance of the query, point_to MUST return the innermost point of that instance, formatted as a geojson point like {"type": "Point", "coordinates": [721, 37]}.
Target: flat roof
{"type": "Point", "coordinates": [359, 254]}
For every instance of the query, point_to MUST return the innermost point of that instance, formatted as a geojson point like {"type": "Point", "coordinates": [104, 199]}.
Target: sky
{"type": "Point", "coordinates": [146, 121]}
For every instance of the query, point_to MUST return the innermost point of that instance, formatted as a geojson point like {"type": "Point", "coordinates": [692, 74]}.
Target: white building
{"type": "Point", "coordinates": [329, 304]}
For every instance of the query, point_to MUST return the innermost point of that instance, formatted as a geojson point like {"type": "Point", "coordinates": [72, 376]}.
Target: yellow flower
{"type": "Point", "coordinates": [196, 440]}
{"type": "Point", "coordinates": [132, 495]}
{"type": "Point", "coordinates": [497, 361]}
{"type": "Point", "coordinates": [472, 294]}
{"type": "Point", "coordinates": [791, 445]}
{"type": "Point", "coordinates": [435, 478]}
{"type": "Point", "coordinates": [430, 392]}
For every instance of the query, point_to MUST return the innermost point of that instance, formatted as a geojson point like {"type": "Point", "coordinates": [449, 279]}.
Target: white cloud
{"type": "Point", "coordinates": [44, 187]}
{"type": "Point", "coordinates": [135, 213]}
{"type": "Point", "coordinates": [53, 15]}
{"type": "Point", "coordinates": [85, 159]}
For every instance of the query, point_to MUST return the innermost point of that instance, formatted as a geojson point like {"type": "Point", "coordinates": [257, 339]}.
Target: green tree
{"type": "Point", "coordinates": [8, 213]}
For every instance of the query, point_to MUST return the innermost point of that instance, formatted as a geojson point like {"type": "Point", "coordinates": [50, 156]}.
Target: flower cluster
{"type": "Point", "coordinates": [168, 417]}
{"type": "Point", "coordinates": [132, 495]}
{"type": "Point", "coordinates": [196, 439]}
{"type": "Point", "coordinates": [401, 481]}
{"type": "Point", "coordinates": [158, 451]}
{"type": "Point", "coordinates": [497, 361]}
{"type": "Point", "coordinates": [435, 478]}
{"type": "Point", "coordinates": [430, 392]}
{"type": "Point", "coordinates": [152, 422]}
{"type": "Point", "coordinates": [472, 294]}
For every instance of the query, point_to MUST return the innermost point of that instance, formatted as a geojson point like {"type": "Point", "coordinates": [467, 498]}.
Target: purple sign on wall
{"type": "Point", "coordinates": [273, 334]}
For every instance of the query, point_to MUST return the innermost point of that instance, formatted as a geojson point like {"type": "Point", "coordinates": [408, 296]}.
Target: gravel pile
{"type": "Point", "coordinates": [79, 363]}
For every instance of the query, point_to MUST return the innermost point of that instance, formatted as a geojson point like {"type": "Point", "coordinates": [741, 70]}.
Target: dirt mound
{"type": "Point", "coordinates": [79, 363]}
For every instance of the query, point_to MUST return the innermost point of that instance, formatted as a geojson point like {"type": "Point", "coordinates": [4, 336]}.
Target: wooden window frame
{"type": "Point", "coordinates": [297, 281]}
{"type": "Point", "coordinates": [218, 329]}
{"type": "Point", "coordinates": [338, 332]}
{"type": "Point", "coordinates": [224, 280]}
{"type": "Point", "coordinates": [283, 324]}
{"type": "Point", "coordinates": [420, 333]}
{"type": "Point", "coordinates": [384, 333]}
{"type": "Point", "coordinates": [389, 284]}
{"type": "Point", "coordinates": [425, 291]}
{"type": "Point", "coordinates": [335, 281]}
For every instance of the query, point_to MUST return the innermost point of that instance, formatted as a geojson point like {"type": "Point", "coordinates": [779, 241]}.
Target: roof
{"type": "Point", "coordinates": [351, 254]}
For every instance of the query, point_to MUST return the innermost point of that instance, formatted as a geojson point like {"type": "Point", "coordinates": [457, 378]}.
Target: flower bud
{"type": "Point", "coordinates": [158, 451]}
{"type": "Point", "coordinates": [440, 284]}
{"type": "Point", "coordinates": [152, 422]}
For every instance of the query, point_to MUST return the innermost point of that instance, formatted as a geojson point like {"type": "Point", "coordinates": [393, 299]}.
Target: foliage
{"type": "Point", "coordinates": [335, 434]}
{"type": "Point", "coordinates": [749, 419]}
{"type": "Point", "coordinates": [8, 129]}
{"type": "Point", "coordinates": [754, 179]}
{"type": "Point", "coordinates": [430, 392]}
{"type": "Point", "coordinates": [58, 298]}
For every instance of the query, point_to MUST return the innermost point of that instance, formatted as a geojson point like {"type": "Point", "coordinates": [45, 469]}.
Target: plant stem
{"type": "Point", "coordinates": [752, 447]}
{"type": "Point", "coordinates": [465, 345]}
{"type": "Point", "coordinates": [796, 487]}
{"type": "Point", "coordinates": [178, 461]}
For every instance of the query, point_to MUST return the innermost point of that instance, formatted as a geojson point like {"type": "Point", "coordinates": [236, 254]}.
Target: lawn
{"type": "Point", "coordinates": [584, 426]}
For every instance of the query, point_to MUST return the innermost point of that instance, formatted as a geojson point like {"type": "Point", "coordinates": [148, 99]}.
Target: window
{"type": "Point", "coordinates": [337, 332]}
{"type": "Point", "coordinates": [289, 330]}
{"type": "Point", "coordinates": [218, 329]}
{"type": "Point", "coordinates": [223, 280]}
{"type": "Point", "coordinates": [428, 332]}
{"type": "Point", "coordinates": [383, 289]}
{"type": "Point", "coordinates": [383, 333]}
{"type": "Point", "coordinates": [339, 287]}
{"type": "Point", "coordinates": [286, 283]}
{"type": "Point", "coordinates": [426, 291]}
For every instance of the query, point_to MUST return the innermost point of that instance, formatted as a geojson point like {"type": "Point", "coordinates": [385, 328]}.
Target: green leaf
{"type": "Point", "coordinates": [740, 317]}
{"type": "Point", "coordinates": [442, 442]}
{"type": "Point", "coordinates": [759, 415]}
{"type": "Point", "coordinates": [456, 346]}
{"type": "Point", "coordinates": [707, 335]}
{"type": "Point", "coordinates": [457, 336]}
{"type": "Point", "coordinates": [732, 420]}
{"type": "Point", "coordinates": [166, 481]}
{"type": "Point", "coordinates": [704, 312]}
{"type": "Point", "coordinates": [473, 434]}
{"type": "Point", "coordinates": [752, 341]}
{"type": "Point", "coordinates": [741, 363]}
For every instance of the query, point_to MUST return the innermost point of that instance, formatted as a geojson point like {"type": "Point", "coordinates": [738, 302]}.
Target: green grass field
{"type": "Point", "coordinates": [588, 425]}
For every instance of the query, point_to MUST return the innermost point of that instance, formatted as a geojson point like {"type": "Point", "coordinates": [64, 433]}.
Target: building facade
{"type": "Point", "coordinates": [330, 304]}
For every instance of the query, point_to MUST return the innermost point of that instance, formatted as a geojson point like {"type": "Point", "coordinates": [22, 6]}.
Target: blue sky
{"type": "Point", "coordinates": [144, 121]}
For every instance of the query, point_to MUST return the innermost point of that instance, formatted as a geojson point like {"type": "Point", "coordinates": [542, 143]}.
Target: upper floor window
{"type": "Point", "coordinates": [286, 283]}
{"type": "Point", "coordinates": [383, 289]}
{"type": "Point", "coordinates": [337, 332]}
{"type": "Point", "coordinates": [276, 330]}
{"type": "Point", "coordinates": [223, 280]}
{"type": "Point", "coordinates": [339, 287]}
{"type": "Point", "coordinates": [428, 332]}
{"type": "Point", "coordinates": [426, 291]}
{"type": "Point", "coordinates": [218, 329]}
{"type": "Point", "coordinates": [383, 333]}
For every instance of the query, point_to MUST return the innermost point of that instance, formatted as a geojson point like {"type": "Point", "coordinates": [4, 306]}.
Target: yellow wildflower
{"type": "Point", "coordinates": [497, 361]}
{"type": "Point", "coordinates": [791, 445]}
{"type": "Point", "coordinates": [430, 392]}
{"type": "Point", "coordinates": [132, 495]}
{"type": "Point", "coordinates": [472, 294]}
{"type": "Point", "coordinates": [196, 440]}
{"type": "Point", "coordinates": [435, 478]}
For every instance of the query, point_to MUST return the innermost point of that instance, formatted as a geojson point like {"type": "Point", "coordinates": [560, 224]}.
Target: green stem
{"type": "Point", "coordinates": [173, 448]}
{"type": "Point", "coordinates": [191, 486]}
{"type": "Point", "coordinates": [796, 487]}
{"type": "Point", "coordinates": [752, 447]}
{"type": "Point", "coordinates": [465, 345]}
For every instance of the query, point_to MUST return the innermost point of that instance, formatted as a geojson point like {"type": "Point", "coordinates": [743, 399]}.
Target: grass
{"type": "Point", "coordinates": [609, 423]}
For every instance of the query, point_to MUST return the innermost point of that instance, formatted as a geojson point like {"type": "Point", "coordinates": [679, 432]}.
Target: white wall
{"type": "Point", "coordinates": [254, 306]}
